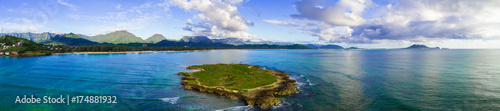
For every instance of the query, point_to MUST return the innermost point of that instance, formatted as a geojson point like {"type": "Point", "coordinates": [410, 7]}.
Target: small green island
{"type": "Point", "coordinates": [240, 81]}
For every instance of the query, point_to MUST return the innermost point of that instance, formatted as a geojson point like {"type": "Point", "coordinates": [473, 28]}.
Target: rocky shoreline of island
{"type": "Point", "coordinates": [264, 96]}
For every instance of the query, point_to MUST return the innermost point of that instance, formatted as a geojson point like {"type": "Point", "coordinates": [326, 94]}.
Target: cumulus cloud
{"type": "Point", "coordinates": [217, 18]}
{"type": "Point", "coordinates": [364, 21]}
{"type": "Point", "coordinates": [278, 22]}
{"type": "Point", "coordinates": [434, 20]}
{"type": "Point", "coordinates": [344, 12]}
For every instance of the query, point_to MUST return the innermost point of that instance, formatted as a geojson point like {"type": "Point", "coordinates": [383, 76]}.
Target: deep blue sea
{"type": "Point", "coordinates": [329, 79]}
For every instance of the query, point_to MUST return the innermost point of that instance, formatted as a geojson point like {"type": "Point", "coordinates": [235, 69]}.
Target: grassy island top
{"type": "Point", "coordinates": [233, 76]}
{"type": "Point", "coordinates": [240, 81]}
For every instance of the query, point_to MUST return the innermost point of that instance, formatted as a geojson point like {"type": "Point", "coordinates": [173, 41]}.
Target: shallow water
{"type": "Point", "coordinates": [329, 79]}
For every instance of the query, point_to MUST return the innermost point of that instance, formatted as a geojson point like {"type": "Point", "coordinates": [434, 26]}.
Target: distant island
{"type": "Point", "coordinates": [329, 46]}
{"type": "Point", "coordinates": [420, 46]}
{"type": "Point", "coordinates": [240, 81]}
{"type": "Point", "coordinates": [14, 46]}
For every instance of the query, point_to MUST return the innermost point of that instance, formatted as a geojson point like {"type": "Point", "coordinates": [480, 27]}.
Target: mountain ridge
{"type": "Point", "coordinates": [117, 37]}
{"type": "Point", "coordinates": [32, 36]}
{"type": "Point", "coordinates": [123, 37]}
{"type": "Point", "coordinates": [69, 40]}
{"type": "Point", "coordinates": [155, 38]}
{"type": "Point", "coordinates": [195, 39]}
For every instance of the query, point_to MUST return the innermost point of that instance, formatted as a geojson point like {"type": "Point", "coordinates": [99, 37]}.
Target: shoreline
{"type": "Point", "coordinates": [124, 52]}
{"type": "Point", "coordinates": [121, 52]}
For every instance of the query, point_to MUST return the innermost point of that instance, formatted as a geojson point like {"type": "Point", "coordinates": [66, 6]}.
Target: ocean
{"type": "Point", "coordinates": [329, 79]}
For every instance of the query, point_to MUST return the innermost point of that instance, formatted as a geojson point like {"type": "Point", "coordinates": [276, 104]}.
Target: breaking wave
{"type": "Point", "coordinates": [172, 100]}
{"type": "Point", "coordinates": [237, 108]}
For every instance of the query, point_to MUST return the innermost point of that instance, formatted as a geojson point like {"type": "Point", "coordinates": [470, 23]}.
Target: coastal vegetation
{"type": "Point", "coordinates": [119, 48]}
{"type": "Point", "coordinates": [235, 77]}
{"type": "Point", "coordinates": [166, 45]}
{"type": "Point", "coordinates": [240, 81]}
{"type": "Point", "coordinates": [14, 46]}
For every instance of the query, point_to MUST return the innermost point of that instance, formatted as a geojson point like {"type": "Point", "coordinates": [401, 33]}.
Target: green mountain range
{"type": "Point", "coordinates": [195, 39]}
{"type": "Point", "coordinates": [116, 38]}
{"type": "Point", "coordinates": [124, 37]}
{"type": "Point", "coordinates": [32, 36]}
{"type": "Point", "coordinates": [155, 38]}
{"type": "Point", "coordinates": [233, 41]}
{"type": "Point", "coordinates": [69, 40]}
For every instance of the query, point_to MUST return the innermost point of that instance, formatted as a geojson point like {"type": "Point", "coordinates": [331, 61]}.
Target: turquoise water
{"type": "Point", "coordinates": [329, 79]}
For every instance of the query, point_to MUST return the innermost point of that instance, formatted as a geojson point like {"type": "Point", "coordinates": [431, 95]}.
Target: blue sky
{"type": "Point", "coordinates": [361, 23]}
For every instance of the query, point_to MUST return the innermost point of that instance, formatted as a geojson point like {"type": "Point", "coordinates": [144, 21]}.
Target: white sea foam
{"type": "Point", "coordinates": [301, 80]}
{"type": "Point", "coordinates": [237, 108]}
{"type": "Point", "coordinates": [310, 83]}
{"type": "Point", "coordinates": [282, 105]}
{"type": "Point", "coordinates": [172, 100]}
{"type": "Point", "coordinates": [307, 80]}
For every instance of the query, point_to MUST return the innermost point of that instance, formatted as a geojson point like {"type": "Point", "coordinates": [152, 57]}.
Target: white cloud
{"type": "Point", "coordinates": [429, 19]}
{"type": "Point", "coordinates": [362, 21]}
{"type": "Point", "coordinates": [119, 6]}
{"type": "Point", "coordinates": [218, 18]}
{"type": "Point", "coordinates": [279, 22]}
{"type": "Point", "coordinates": [73, 7]}
{"type": "Point", "coordinates": [133, 18]}
{"type": "Point", "coordinates": [329, 33]}
{"type": "Point", "coordinates": [145, 5]}
{"type": "Point", "coordinates": [233, 1]}
{"type": "Point", "coordinates": [344, 12]}
{"type": "Point", "coordinates": [22, 25]}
